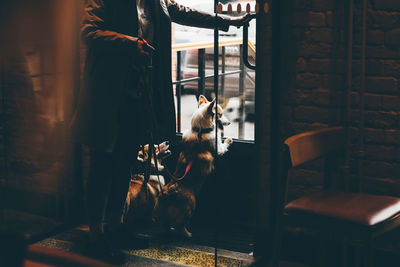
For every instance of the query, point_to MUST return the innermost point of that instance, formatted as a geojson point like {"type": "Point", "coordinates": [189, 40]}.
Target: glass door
{"type": "Point", "coordinates": [226, 202]}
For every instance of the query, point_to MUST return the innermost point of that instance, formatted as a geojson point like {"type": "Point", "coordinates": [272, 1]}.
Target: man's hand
{"type": "Point", "coordinates": [241, 21]}
{"type": "Point", "coordinates": [144, 47]}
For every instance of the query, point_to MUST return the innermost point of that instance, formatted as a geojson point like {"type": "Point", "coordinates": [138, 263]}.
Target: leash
{"type": "Point", "coordinates": [153, 151]}
{"type": "Point", "coordinates": [146, 172]}
{"type": "Point", "coordinates": [148, 77]}
{"type": "Point", "coordinates": [188, 167]}
{"type": "Point", "coordinates": [152, 121]}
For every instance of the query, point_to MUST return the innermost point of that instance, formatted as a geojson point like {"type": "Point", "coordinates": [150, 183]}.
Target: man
{"type": "Point", "coordinates": [114, 113]}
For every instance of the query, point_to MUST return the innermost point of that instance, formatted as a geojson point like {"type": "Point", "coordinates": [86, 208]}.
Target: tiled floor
{"type": "Point", "coordinates": [160, 253]}
{"type": "Point", "coordinates": [235, 245]}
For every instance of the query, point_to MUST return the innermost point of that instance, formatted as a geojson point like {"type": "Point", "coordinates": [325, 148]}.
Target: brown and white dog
{"type": "Point", "coordinates": [233, 108]}
{"type": "Point", "coordinates": [142, 196]}
{"type": "Point", "coordinates": [196, 161]}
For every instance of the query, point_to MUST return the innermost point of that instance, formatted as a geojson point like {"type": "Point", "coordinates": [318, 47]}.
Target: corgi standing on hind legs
{"type": "Point", "coordinates": [177, 204]}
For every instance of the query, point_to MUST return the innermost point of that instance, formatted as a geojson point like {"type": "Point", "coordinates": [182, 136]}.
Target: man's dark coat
{"type": "Point", "coordinates": [111, 71]}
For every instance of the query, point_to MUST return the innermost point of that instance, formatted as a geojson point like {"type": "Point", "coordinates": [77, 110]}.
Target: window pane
{"type": "Point", "coordinates": [236, 88]}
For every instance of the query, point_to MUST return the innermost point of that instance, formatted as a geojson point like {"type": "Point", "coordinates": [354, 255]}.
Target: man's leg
{"type": "Point", "coordinates": [125, 162]}
{"type": "Point", "coordinates": [98, 183]}
{"type": "Point", "coordinates": [130, 136]}
{"type": "Point", "coordinates": [97, 191]}
{"type": "Point", "coordinates": [121, 175]}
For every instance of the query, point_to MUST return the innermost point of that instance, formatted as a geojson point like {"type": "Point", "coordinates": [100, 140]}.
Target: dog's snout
{"type": "Point", "coordinates": [167, 143]}
{"type": "Point", "coordinates": [224, 121]}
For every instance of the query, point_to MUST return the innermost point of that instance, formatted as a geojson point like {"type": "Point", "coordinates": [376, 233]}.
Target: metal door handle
{"type": "Point", "coordinates": [245, 53]}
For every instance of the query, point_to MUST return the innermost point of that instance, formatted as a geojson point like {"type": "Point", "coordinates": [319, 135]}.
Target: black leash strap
{"type": "Point", "coordinates": [148, 75]}
{"type": "Point", "coordinates": [153, 151]}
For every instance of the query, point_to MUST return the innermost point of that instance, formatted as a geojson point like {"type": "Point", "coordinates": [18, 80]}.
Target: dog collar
{"type": "Point", "coordinates": [202, 131]}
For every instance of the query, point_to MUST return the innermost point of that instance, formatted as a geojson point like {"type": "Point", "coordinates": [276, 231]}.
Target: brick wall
{"type": "Point", "coordinates": [35, 109]}
{"type": "Point", "coordinates": [315, 97]}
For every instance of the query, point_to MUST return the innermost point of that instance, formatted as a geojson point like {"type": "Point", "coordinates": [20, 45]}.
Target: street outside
{"type": "Point", "coordinates": [189, 35]}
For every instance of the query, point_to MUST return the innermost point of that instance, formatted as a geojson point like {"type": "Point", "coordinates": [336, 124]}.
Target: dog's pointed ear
{"type": "Point", "coordinates": [202, 100]}
{"type": "Point", "coordinates": [211, 107]}
{"type": "Point", "coordinates": [241, 99]}
{"type": "Point", "coordinates": [224, 102]}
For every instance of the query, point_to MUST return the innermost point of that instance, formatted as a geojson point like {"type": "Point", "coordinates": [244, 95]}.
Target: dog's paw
{"type": "Point", "coordinates": [228, 141]}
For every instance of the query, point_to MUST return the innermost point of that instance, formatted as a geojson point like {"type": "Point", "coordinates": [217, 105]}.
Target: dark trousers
{"type": "Point", "coordinates": [107, 186]}
{"type": "Point", "coordinates": [110, 172]}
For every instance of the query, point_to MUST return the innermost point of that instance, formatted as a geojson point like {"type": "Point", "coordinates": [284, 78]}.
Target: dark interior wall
{"type": "Point", "coordinates": [36, 106]}
{"type": "Point", "coordinates": [382, 166]}
{"type": "Point", "coordinates": [317, 71]}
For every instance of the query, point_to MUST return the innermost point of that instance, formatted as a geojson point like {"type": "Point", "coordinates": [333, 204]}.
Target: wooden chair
{"type": "Point", "coordinates": [333, 214]}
